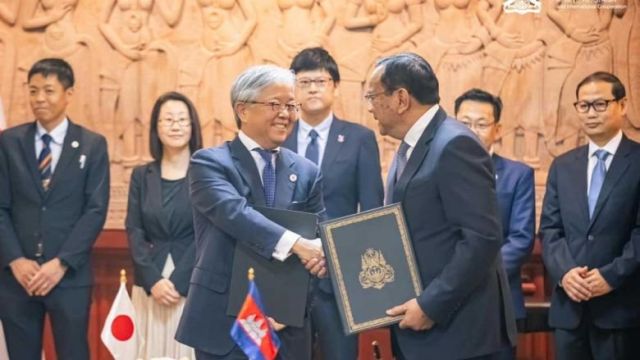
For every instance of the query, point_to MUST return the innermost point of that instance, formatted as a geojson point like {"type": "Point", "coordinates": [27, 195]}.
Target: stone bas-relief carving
{"type": "Point", "coordinates": [125, 52]}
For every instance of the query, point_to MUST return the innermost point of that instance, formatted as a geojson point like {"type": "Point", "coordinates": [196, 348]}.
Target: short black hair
{"type": "Point", "coordinates": [315, 58]}
{"type": "Point", "coordinates": [480, 95]}
{"type": "Point", "coordinates": [617, 88]}
{"type": "Point", "coordinates": [413, 73]}
{"type": "Point", "coordinates": [53, 66]}
{"type": "Point", "coordinates": [155, 145]}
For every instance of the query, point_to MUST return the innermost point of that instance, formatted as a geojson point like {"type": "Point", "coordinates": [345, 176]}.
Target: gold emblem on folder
{"type": "Point", "coordinates": [375, 270]}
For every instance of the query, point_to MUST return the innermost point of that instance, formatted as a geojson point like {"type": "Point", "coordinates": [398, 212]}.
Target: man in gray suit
{"type": "Point", "coordinates": [226, 183]}
{"type": "Point", "coordinates": [54, 192]}
{"type": "Point", "coordinates": [444, 179]}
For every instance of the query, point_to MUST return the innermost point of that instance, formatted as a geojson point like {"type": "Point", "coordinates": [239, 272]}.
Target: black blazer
{"type": "Point", "coordinates": [68, 218]}
{"type": "Point", "coordinates": [150, 240]}
{"type": "Point", "coordinates": [606, 242]}
{"type": "Point", "coordinates": [447, 191]}
{"type": "Point", "coordinates": [350, 168]}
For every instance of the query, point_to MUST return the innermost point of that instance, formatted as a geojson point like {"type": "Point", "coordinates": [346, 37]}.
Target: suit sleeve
{"type": "Point", "coordinates": [555, 251]}
{"type": "Point", "coordinates": [520, 237]}
{"type": "Point", "coordinates": [76, 249]}
{"type": "Point", "coordinates": [370, 188]}
{"type": "Point", "coordinates": [139, 247]}
{"type": "Point", "coordinates": [215, 197]}
{"type": "Point", "coordinates": [10, 248]}
{"type": "Point", "coordinates": [466, 186]}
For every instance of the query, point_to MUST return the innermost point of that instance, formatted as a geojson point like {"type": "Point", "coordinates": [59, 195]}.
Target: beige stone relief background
{"type": "Point", "coordinates": [126, 52]}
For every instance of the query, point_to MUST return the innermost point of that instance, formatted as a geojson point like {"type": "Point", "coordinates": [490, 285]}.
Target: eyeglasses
{"type": "Point", "coordinates": [599, 105]}
{"type": "Point", "coordinates": [482, 126]}
{"type": "Point", "coordinates": [168, 123]}
{"type": "Point", "coordinates": [320, 83]}
{"type": "Point", "coordinates": [369, 97]}
{"type": "Point", "coordinates": [276, 106]}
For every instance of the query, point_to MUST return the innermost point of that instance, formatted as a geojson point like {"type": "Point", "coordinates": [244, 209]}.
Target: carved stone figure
{"type": "Point", "coordinates": [145, 64]}
{"type": "Point", "coordinates": [54, 18]}
{"type": "Point", "coordinates": [8, 16]}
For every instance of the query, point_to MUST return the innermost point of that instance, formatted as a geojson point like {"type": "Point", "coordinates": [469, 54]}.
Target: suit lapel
{"type": "Point", "coordinates": [333, 146]}
{"type": "Point", "coordinates": [498, 165]}
{"type": "Point", "coordinates": [68, 153]}
{"type": "Point", "coordinates": [248, 170]}
{"type": "Point", "coordinates": [292, 140]}
{"type": "Point", "coordinates": [579, 174]}
{"type": "Point", "coordinates": [619, 165]}
{"type": "Point", "coordinates": [29, 152]}
{"type": "Point", "coordinates": [286, 179]}
{"type": "Point", "coordinates": [418, 155]}
{"type": "Point", "coordinates": [153, 178]}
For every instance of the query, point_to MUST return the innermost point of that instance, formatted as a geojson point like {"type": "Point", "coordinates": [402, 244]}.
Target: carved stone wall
{"type": "Point", "coordinates": [126, 52]}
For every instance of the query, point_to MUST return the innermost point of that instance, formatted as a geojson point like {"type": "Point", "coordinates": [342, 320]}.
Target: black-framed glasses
{"type": "Point", "coordinates": [482, 126]}
{"type": "Point", "coordinates": [320, 83]}
{"type": "Point", "coordinates": [599, 105]}
{"type": "Point", "coordinates": [168, 123]}
{"type": "Point", "coordinates": [370, 96]}
{"type": "Point", "coordinates": [276, 106]}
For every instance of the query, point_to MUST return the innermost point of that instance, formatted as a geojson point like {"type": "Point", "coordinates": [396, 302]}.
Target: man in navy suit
{"type": "Point", "coordinates": [348, 155]}
{"type": "Point", "coordinates": [590, 226]}
{"type": "Point", "coordinates": [444, 179]}
{"type": "Point", "coordinates": [480, 111]}
{"type": "Point", "coordinates": [226, 182]}
{"type": "Point", "coordinates": [54, 192]}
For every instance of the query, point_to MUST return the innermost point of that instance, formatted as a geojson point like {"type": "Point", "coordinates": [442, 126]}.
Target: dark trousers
{"type": "Point", "coordinates": [23, 320]}
{"type": "Point", "coordinates": [327, 327]}
{"type": "Point", "coordinates": [589, 342]}
{"type": "Point", "coordinates": [295, 344]}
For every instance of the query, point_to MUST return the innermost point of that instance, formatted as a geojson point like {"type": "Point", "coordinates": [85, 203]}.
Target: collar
{"type": "Point", "coordinates": [415, 132]}
{"type": "Point", "coordinates": [251, 144]}
{"type": "Point", "coordinates": [611, 147]}
{"type": "Point", "coordinates": [322, 129]}
{"type": "Point", "coordinates": [57, 134]}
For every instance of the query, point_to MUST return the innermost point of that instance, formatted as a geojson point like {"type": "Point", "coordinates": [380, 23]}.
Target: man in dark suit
{"type": "Point", "coordinates": [54, 192]}
{"type": "Point", "coordinates": [589, 227]}
{"type": "Point", "coordinates": [349, 158]}
{"type": "Point", "coordinates": [226, 183]}
{"type": "Point", "coordinates": [444, 179]}
{"type": "Point", "coordinates": [480, 111]}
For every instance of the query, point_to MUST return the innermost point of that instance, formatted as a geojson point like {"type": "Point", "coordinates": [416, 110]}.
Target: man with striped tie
{"type": "Point", "coordinates": [54, 191]}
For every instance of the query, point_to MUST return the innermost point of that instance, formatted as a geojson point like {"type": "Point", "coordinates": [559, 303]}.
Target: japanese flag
{"type": "Point", "coordinates": [119, 333]}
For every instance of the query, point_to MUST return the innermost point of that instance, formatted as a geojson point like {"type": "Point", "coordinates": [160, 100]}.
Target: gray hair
{"type": "Point", "coordinates": [250, 83]}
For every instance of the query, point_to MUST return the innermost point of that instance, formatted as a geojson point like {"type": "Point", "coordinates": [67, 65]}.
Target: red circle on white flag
{"type": "Point", "coordinates": [122, 327]}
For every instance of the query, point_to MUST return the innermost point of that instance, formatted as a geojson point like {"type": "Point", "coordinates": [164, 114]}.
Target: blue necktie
{"type": "Point", "coordinates": [313, 152]}
{"type": "Point", "coordinates": [401, 159]}
{"type": "Point", "coordinates": [597, 178]}
{"type": "Point", "coordinates": [268, 177]}
{"type": "Point", "coordinates": [44, 161]}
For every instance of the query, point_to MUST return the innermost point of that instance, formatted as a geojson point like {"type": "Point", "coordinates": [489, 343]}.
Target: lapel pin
{"type": "Point", "coordinates": [75, 144]}
{"type": "Point", "coordinates": [340, 138]}
{"type": "Point", "coordinates": [82, 160]}
{"type": "Point", "coordinates": [293, 177]}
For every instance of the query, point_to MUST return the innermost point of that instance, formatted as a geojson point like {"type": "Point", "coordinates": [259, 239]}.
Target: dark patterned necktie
{"type": "Point", "coordinates": [313, 152]}
{"type": "Point", "coordinates": [268, 176]}
{"type": "Point", "coordinates": [44, 161]}
{"type": "Point", "coordinates": [401, 159]}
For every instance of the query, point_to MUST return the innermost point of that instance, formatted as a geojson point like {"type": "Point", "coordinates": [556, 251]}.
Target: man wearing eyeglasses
{"type": "Point", "coordinates": [348, 156]}
{"type": "Point", "coordinates": [480, 111]}
{"type": "Point", "coordinates": [590, 230]}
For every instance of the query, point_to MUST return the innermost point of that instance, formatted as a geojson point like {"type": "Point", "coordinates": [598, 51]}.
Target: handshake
{"type": "Point", "coordinates": [311, 255]}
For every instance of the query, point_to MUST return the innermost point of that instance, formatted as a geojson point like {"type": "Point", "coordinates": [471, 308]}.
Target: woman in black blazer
{"type": "Point", "coordinates": [160, 226]}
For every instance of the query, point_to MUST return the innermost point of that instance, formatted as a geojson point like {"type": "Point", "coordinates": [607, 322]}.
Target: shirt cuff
{"type": "Point", "coordinates": [284, 245]}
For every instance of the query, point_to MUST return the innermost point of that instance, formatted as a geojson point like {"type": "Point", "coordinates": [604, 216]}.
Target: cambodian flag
{"type": "Point", "coordinates": [252, 330]}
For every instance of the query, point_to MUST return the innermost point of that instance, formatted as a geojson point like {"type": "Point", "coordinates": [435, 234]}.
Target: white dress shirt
{"type": "Point", "coordinates": [611, 147]}
{"type": "Point", "coordinates": [323, 135]}
{"type": "Point", "coordinates": [57, 140]}
{"type": "Point", "coordinates": [415, 132]}
{"type": "Point", "coordinates": [283, 248]}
